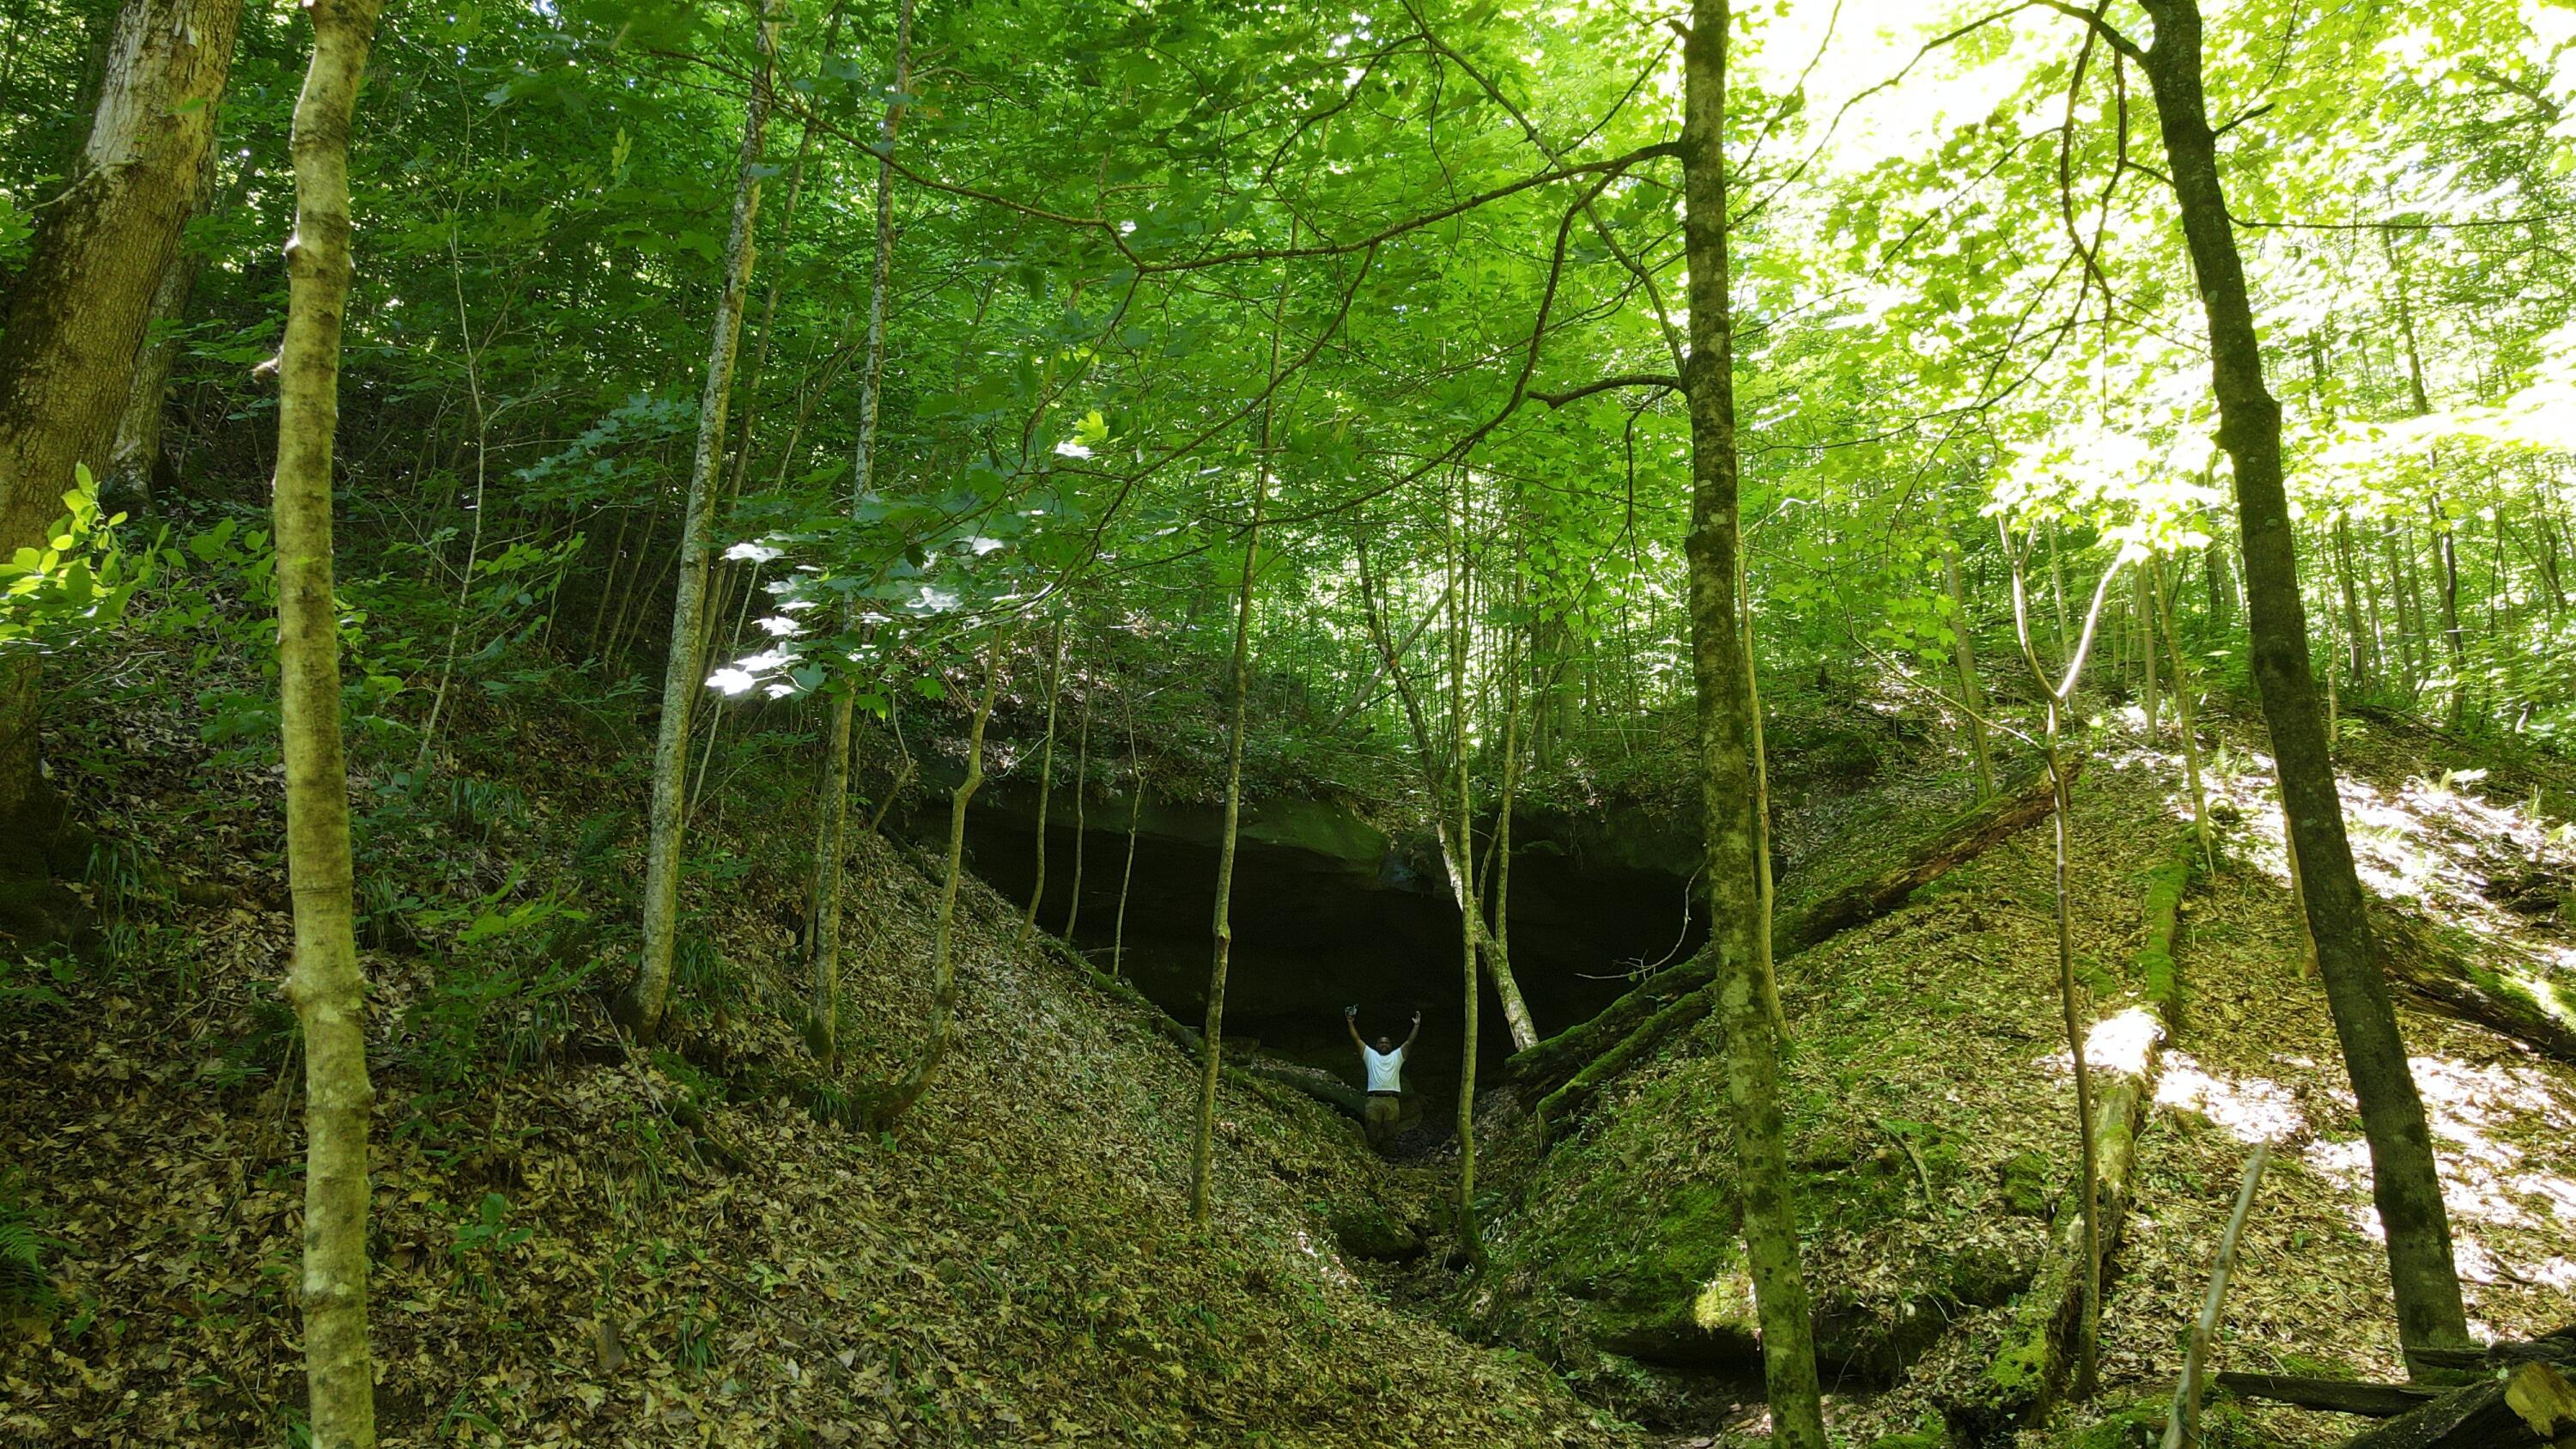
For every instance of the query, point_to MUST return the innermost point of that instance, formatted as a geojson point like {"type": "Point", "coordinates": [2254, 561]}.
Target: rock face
{"type": "Point", "coordinates": [1331, 910]}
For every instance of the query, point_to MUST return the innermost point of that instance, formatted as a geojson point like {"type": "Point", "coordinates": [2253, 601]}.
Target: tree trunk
{"type": "Point", "coordinates": [1046, 778]}
{"type": "Point", "coordinates": [829, 844]}
{"type": "Point", "coordinates": [79, 307]}
{"type": "Point", "coordinates": [2183, 716]}
{"type": "Point", "coordinates": [683, 674]}
{"type": "Point", "coordinates": [134, 459]}
{"type": "Point", "coordinates": [1963, 653]}
{"type": "Point", "coordinates": [1081, 813]}
{"type": "Point", "coordinates": [2410, 620]}
{"type": "Point", "coordinates": [1498, 958]}
{"type": "Point", "coordinates": [2405, 1185]}
{"type": "Point", "coordinates": [1461, 640]}
{"type": "Point", "coordinates": [1726, 760]}
{"type": "Point", "coordinates": [2055, 695]}
{"type": "Point", "coordinates": [2446, 549]}
{"type": "Point", "coordinates": [1203, 1148]}
{"type": "Point", "coordinates": [324, 982]}
{"type": "Point", "coordinates": [1135, 815]}
{"type": "Point", "coordinates": [2144, 606]}
{"type": "Point", "coordinates": [1765, 887]}
{"type": "Point", "coordinates": [2356, 652]}
{"type": "Point", "coordinates": [882, 1108]}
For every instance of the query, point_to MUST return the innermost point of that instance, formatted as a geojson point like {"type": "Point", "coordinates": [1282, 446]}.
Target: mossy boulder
{"type": "Point", "coordinates": [1367, 1230]}
{"type": "Point", "coordinates": [2025, 1180]}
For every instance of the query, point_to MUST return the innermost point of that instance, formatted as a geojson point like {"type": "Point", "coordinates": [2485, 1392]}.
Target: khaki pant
{"type": "Point", "coordinates": [1379, 1118]}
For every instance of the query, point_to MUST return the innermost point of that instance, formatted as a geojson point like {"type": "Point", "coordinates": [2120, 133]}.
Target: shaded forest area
{"type": "Point", "coordinates": [741, 723]}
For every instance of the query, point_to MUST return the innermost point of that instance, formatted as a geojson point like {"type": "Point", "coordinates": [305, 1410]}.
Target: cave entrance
{"type": "Point", "coordinates": [1330, 912]}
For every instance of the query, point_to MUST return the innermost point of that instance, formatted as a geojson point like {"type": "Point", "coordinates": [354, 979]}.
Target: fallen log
{"type": "Point", "coordinates": [2023, 1380]}
{"type": "Point", "coordinates": [1538, 1072]}
{"type": "Point", "coordinates": [2558, 1346]}
{"type": "Point", "coordinates": [2441, 975]}
{"type": "Point", "coordinates": [2336, 1396]}
{"type": "Point", "coordinates": [2532, 1405]}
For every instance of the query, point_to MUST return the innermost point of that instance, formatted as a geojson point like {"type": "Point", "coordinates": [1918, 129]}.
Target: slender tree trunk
{"type": "Point", "coordinates": [683, 675]}
{"type": "Point", "coordinates": [889, 1105]}
{"type": "Point", "coordinates": [79, 307]}
{"type": "Point", "coordinates": [1763, 1186]}
{"type": "Point", "coordinates": [1761, 813]}
{"type": "Point", "coordinates": [1498, 938]}
{"type": "Point", "coordinates": [1203, 1150]}
{"type": "Point", "coordinates": [2409, 621]}
{"type": "Point", "coordinates": [2446, 550]}
{"type": "Point", "coordinates": [2144, 607]}
{"type": "Point", "coordinates": [2057, 591]}
{"type": "Point", "coordinates": [2356, 640]}
{"type": "Point", "coordinates": [1081, 812]}
{"type": "Point", "coordinates": [1135, 815]}
{"type": "Point", "coordinates": [2405, 1185]}
{"type": "Point", "coordinates": [832, 829]}
{"type": "Point", "coordinates": [2182, 686]}
{"type": "Point", "coordinates": [2072, 1008]}
{"type": "Point", "coordinates": [1046, 778]}
{"type": "Point", "coordinates": [2213, 563]}
{"type": "Point", "coordinates": [1963, 653]}
{"type": "Point", "coordinates": [325, 982]}
{"type": "Point", "coordinates": [1212, 1037]}
{"type": "Point", "coordinates": [1461, 641]}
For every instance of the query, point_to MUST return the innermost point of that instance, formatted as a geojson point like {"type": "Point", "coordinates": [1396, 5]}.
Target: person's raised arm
{"type": "Point", "coordinates": [1410, 1035]}
{"type": "Point", "coordinates": [1351, 1024]}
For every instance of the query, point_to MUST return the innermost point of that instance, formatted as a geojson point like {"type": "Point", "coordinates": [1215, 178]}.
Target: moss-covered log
{"type": "Point", "coordinates": [2532, 1405]}
{"type": "Point", "coordinates": [2017, 1387]}
{"type": "Point", "coordinates": [2441, 975]}
{"type": "Point", "coordinates": [1631, 1027]}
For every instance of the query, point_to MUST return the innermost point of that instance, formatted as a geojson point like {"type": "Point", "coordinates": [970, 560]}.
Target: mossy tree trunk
{"type": "Point", "coordinates": [2404, 1183]}
{"type": "Point", "coordinates": [1726, 759]}
{"type": "Point", "coordinates": [325, 983]}
{"type": "Point", "coordinates": [79, 307]}
{"type": "Point", "coordinates": [642, 1005]}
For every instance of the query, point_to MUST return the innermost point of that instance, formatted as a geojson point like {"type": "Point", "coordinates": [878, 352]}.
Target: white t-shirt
{"type": "Point", "coordinates": [1385, 1069]}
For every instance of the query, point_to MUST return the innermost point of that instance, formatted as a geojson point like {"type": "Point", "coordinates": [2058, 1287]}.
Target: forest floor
{"type": "Point", "coordinates": [1931, 1115]}
{"type": "Point", "coordinates": [575, 1243]}
{"type": "Point", "coordinates": [579, 1243]}
{"type": "Point", "coordinates": [2254, 1059]}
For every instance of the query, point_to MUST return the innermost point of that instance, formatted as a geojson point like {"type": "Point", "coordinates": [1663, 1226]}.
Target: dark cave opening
{"type": "Point", "coordinates": [1329, 912]}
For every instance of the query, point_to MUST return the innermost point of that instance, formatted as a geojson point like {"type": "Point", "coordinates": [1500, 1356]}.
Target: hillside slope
{"type": "Point", "coordinates": [573, 1244]}
{"type": "Point", "coordinates": [1931, 1120]}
